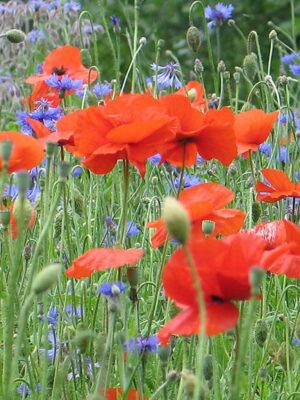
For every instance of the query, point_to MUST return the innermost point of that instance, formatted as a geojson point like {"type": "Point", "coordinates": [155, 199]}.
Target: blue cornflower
{"type": "Point", "coordinates": [112, 289]}
{"type": "Point", "coordinates": [52, 316]}
{"type": "Point", "coordinates": [218, 14]}
{"type": "Point", "coordinates": [141, 344]}
{"type": "Point", "coordinates": [34, 36]}
{"type": "Point", "coordinates": [131, 229]}
{"type": "Point", "coordinates": [188, 181]}
{"type": "Point", "coordinates": [102, 89]}
{"type": "Point", "coordinates": [167, 78]}
{"type": "Point", "coordinates": [288, 58]}
{"type": "Point", "coordinates": [155, 160]}
{"type": "Point", "coordinates": [295, 69]}
{"type": "Point", "coordinates": [31, 193]}
{"type": "Point", "coordinates": [77, 171]}
{"type": "Point", "coordinates": [266, 149]}
{"type": "Point", "coordinates": [116, 23]}
{"type": "Point", "coordinates": [297, 124]}
{"type": "Point", "coordinates": [63, 84]}
{"type": "Point", "coordinates": [24, 390]}
{"type": "Point", "coordinates": [283, 155]}
{"type": "Point", "coordinates": [72, 6]}
{"type": "Point", "coordinates": [96, 27]}
{"type": "Point", "coordinates": [295, 341]}
{"type": "Point", "coordinates": [73, 311]}
{"type": "Point", "coordinates": [39, 68]}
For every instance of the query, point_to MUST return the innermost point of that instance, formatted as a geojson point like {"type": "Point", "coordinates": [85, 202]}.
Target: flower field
{"type": "Point", "coordinates": [149, 217]}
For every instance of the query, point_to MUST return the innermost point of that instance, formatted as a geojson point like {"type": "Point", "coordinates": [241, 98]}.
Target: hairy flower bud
{"type": "Point", "coordinates": [193, 38]}
{"type": "Point", "coordinates": [86, 58]}
{"type": "Point", "coordinates": [250, 66]}
{"type": "Point", "coordinates": [46, 278]}
{"type": "Point", "coordinates": [176, 219]}
{"type": "Point", "coordinates": [15, 36]}
{"type": "Point", "coordinates": [286, 356]}
{"type": "Point", "coordinates": [261, 332]}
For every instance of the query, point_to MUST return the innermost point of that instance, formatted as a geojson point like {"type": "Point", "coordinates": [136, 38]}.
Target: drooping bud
{"type": "Point", "coordinates": [256, 212]}
{"type": "Point", "coordinates": [261, 332]}
{"type": "Point", "coordinates": [176, 219]}
{"type": "Point", "coordinates": [15, 36]}
{"type": "Point", "coordinates": [286, 356]}
{"type": "Point", "coordinates": [86, 58]}
{"type": "Point", "coordinates": [23, 211]}
{"type": "Point", "coordinates": [198, 66]}
{"type": "Point", "coordinates": [250, 66]}
{"type": "Point", "coordinates": [208, 227]}
{"type": "Point", "coordinates": [193, 38]}
{"type": "Point", "coordinates": [46, 278]}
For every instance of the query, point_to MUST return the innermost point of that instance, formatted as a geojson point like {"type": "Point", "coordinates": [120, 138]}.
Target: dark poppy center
{"type": "Point", "coordinates": [217, 299]}
{"type": "Point", "coordinates": [59, 71]}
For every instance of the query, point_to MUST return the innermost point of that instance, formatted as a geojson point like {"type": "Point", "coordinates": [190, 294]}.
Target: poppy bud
{"type": "Point", "coordinates": [261, 332]}
{"type": "Point", "coordinates": [86, 58]}
{"type": "Point", "coordinates": [273, 35]}
{"type": "Point", "coordinates": [263, 373]}
{"type": "Point", "coordinates": [256, 212]}
{"type": "Point", "coordinates": [198, 66]}
{"type": "Point", "coordinates": [208, 367]}
{"type": "Point", "coordinates": [6, 150]}
{"type": "Point", "coordinates": [78, 202]}
{"type": "Point", "coordinates": [208, 227]}
{"type": "Point", "coordinates": [192, 94]}
{"type": "Point", "coordinates": [237, 77]}
{"type": "Point", "coordinates": [4, 218]}
{"type": "Point", "coordinates": [50, 148]}
{"type": "Point", "coordinates": [193, 38]}
{"type": "Point", "coordinates": [15, 36]}
{"type": "Point", "coordinates": [164, 353]}
{"type": "Point", "coordinates": [221, 66]}
{"type": "Point", "coordinates": [176, 219]}
{"type": "Point", "coordinates": [46, 278]}
{"type": "Point", "coordinates": [286, 356]}
{"type": "Point", "coordinates": [250, 66]}
{"type": "Point", "coordinates": [22, 210]}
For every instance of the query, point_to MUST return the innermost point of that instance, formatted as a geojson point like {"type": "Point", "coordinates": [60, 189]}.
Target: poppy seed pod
{"type": "Point", "coordinates": [250, 66]}
{"type": "Point", "coordinates": [22, 210]}
{"type": "Point", "coordinates": [208, 227]}
{"type": "Point", "coordinates": [193, 38]}
{"type": "Point", "coordinates": [208, 367]}
{"type": "Point", "coordinates": [46, 278]}
{"type": "Point", "coordinates": [15, 36]}
{"type": "Point", "coordinates": [261, 332]}
{"type": "Point", "coordinates": [176, 219]}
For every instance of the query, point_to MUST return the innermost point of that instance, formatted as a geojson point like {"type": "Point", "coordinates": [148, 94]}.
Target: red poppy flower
{"type": "Point", "coordinates": [41, 90]}
{"type": "Point", "coordinates": [64, 134]}
{"type": "Point", "coordinates": [279, 235]}
{"type": "Point", "coordinates": [223, 268]}
{"type": "Point", "coordinates": [252, 128]}
{"type": "Point", "coordinates": [210, 134]}
{"type": "Point", "coordinates": [116, 394]}
{"type": "Point", "coordinates": [62, 61]}
{"type": "Point", "coordinates": [27, 152]}
{"type": "Point", "coordinates": [131, 126]}
{"type": "Point", "coordinates": [205, 201]}
{"type": "Point", "coordinates": [280, 186]}
{"type": "Point", "coordinates": [195, 92]}
{"type": "Point", "coordinates": [101, 260]}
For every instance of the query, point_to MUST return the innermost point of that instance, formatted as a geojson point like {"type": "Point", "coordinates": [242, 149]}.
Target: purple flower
{"type": "Point", "coordinates": [39, 68]}
{"type": "Point", "coordinates": [34, 36]}
{"type": "Point", "coordinates": [265, 148]}
{"type": "Point", "coordinates": [167, 78]}
{"type": "Point", "coordinates": [295, 69]}
{"type": "Point", "coordinates": [288, 58]}
{"type": "Point", "coordinates": [77, 171]}
{"type": "Point", "coordinates": [112, 289]}
{"type": "Point", "coordinates": [131, 229]}
{"type": "Point", "coordinates": [31, 193]}
{"type": "Point", "coordinates": [88, 30]}
{"type": "Point", "coordinates": [116, 23]}
{"type": "Point", "coordinates": [72, 6]}
{"type": "Point", "coordinates": [155, 160]}
{"type": "Point", "coordinates": [283, 155]}
{"type": "Point", "coordinates": [63, 84]}
{"type": "Point", "coordinates": [141, 344]}
{"type": "Point", "coordinates": [218, 14]}
{"type": "Point", "coordinates": [188, 181]}
{"type": "Point", "coordinates": [102, 89]}
{"type": "Point", "coordinates": [52, 316]}
{"type": "Point", "coordinates": [72, 311]}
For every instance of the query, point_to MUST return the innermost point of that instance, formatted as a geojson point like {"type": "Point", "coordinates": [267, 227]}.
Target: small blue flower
{"type": "Point", "coordinates": [188, 181]}
{"type": "Point", "coordinates": [142, 344]}
{"type": "Point", "coordinates": [112, 289]}
{"type": "Point", "coordinates": [297, 175]}
{"type": "Point", "coordinates": [266, 149]}
{"type": "Point", "coordinates": [295, 69]}
{"type": "Point", "coordinates": [102, 89]}
{"type": "Point", "coordinates": [72, 6]}
{"type": "Point", "coordinates": [218, 14]}
{"type": "Point", "coordinates": [52, 316]}
{"type": "Point", "coordinates": [131, 229]}
{"type": "Point", "coordinates": [167, 78]}
{"type": "Point", "coordinates": [65, 83]}
{"type": "Point", "coordinates": [283, 155]}
{"type": "Point", "coordinates": [34, 36]}
{"type": "Point", "coordinates": [295, 341]}
{"type": "Point", "coordinates": [288, 58]}
{"type": "Point", "coordinates": [87, 29]}
{"type": "Point", "coordinates": [155, 160]}
{"type": "Point", "coordinates": [116, 23]}
{"type": "Point", "coordinates": [73, 311]}
{"type": "Point", "coordinates": [31, 193]}
{"type": "Point", "coordinates": [77, 171]}
{"type": "Point", "coordinates": [39, 68]}
{"type": "Point", "coordinates": [24, 390]}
